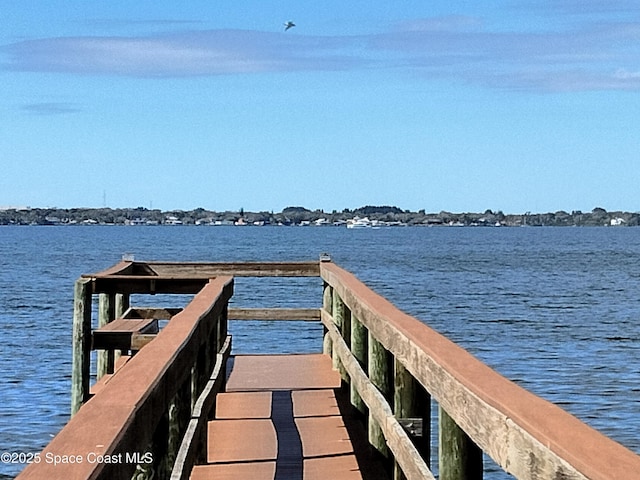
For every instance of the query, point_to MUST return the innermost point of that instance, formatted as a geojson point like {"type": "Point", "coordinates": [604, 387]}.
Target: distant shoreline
{"type": "Point", "coordinates": [369, 216]}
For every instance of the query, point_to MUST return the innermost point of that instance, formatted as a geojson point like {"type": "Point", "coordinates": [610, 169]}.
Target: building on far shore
{"type": "Point", "coordinates": [18, 209]}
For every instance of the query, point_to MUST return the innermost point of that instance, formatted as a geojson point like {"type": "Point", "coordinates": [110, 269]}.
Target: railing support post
{"type": "Point", "coordinates": [223, 330]}
{"type": "Point", "coordinates": [380, 376]}
{"type": "Point", "coordinates": [81, 358]}
{"type": "Point", "coordinates": [459, 457]}
{"type": "Point", "coordinates": [223, 327]}
{"type": "Point", "coordinates": [412, 401]}
{"type": "Point", "coordinates": [178, 415]}
{"type": "Point", "coordinates": [359, 350]}
{"type": "Point", "coordinates": [340, 319]}
{"type": "Point", "coordinates": [327, 300]}
{"type": "Point", "coordinates": [106, 314]}
{"type": "Point", "coordinates": [123, 302]}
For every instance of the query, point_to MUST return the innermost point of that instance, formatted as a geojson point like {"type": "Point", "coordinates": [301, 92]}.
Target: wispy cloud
{"type": "Point", "coordinates": [213, 52]}
{"type": "Point", "coordinates": [119, 23]}
{"type": "Point", "coordinates": [50, 108]}
{"type": "Point", "coordinates": [594, 57]}
{"type": "Point", "coordinates": [603, 56]}
{"type": "Point", "coordinates": [447, 23]}
{"type": "Point", "coordinates": [578, 7]}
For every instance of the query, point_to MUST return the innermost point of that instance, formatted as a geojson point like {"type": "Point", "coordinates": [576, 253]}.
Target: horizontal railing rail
{"type": "Point", "coordinates": [135, 423]}
{"type": "Point", "coordinates": [292, 314]}
{"type": "Point", "coordinates": [129, 277]}
{"type": "Point", "coordinates": [205, 270]}
{"type": "Point", "coordinates": [479, 410]}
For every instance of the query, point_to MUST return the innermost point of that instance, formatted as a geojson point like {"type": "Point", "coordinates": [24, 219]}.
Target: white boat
{"type": "Point", "coordinates": [357, 222]}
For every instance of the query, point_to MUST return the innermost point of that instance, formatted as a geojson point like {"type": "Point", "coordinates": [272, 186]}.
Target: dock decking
{"type": "Point", "coordinates": [279, 418]}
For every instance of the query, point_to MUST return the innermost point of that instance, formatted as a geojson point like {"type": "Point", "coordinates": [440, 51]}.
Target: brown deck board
{"type": "Point", "coordinates": [243, 437]}
{"type": "Point", "coordinates": [241, 441]}
{"type": "Point", "coordinates": [323, 436]}
{"type": "Point", "coordinates": [343, 467]}
{"type": "Point", "coordinates": [243, 405]}
{"type": "Point", "coordinates": [306, 403]}
{"type": "Point", "coordinates": [235, 471]}
{"type": "Point", "coordinates": [314, 403]}
{"type": "Point", "coordinates": [282, 372]}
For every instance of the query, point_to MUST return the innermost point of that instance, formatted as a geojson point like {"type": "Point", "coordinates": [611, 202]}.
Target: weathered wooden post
{"type": "Point", "coordinates": [380, 376]}
{"type": "Point", "coordinates": [412, 404]}
{"type": "Point", "coordinates": [207, 353]}
{"type": "Point", "coordinates": [327, 300]}
{"type": "Point", "coordinates": [346, 324]}
{"type": "Point", "coordinates": [359, 351]}
{"type": "Point", "coordinates": [122, 304]}
{"type": "Point", "coordinates": [81, 339]}
{"type": "Point", "coordinates": [178, 415]}
{"type": "Point", "coordinates": [216, 337]}
{"type": "Point", "coordinates": [339, 318]}
{"type": "Point", "coordinates": [200, 369]}
{"type": "Point", "coordinates": [222, 328]}
{"type": "Point", "coordinates": [194, 387]}
{"type": "Point", "coordinates": [459, 457]}
{"type": "Point", "coordinates": [106, 314]}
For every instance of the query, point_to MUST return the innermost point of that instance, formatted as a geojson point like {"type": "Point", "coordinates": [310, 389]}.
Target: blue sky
{"type": "Point", "coordinates": [507, 105]}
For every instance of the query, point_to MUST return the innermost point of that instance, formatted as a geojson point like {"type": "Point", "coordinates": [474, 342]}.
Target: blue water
{"type": "Point", "coordinates": [555, 309]}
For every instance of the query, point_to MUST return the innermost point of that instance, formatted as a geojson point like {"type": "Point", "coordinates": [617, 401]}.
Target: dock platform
{"type": "Point", "coordinates": [279, 418]}
{"type": "Point", "coordinates": [388, 397]}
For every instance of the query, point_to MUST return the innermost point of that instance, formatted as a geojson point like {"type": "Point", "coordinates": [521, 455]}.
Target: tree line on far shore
{"type": "Point", "coordinates": [389, 215]}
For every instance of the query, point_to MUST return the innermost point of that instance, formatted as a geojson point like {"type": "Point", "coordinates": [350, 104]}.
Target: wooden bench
{"type": "Point", "coordinates": [125, 334]}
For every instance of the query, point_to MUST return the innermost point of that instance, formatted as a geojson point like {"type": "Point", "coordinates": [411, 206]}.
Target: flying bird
{"type": "Point", "coordinates": [289, 25]}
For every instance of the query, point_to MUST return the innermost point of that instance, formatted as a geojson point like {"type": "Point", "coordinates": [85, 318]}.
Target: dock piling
{"type": "Point", "coordinates": [106, 314]}
{"type": "Point", "coordinates": [459, 457]}
{"type": "Point", "coordinates": [412, 405]}
{"type": "Point", "coordinates": [380, 376]}
{"type": "Point", "coordinates": [327, 306]}
{"type": "Point", "coordinates": [359, 341]}
{"type": "Point", "coordinates": [81, 344]}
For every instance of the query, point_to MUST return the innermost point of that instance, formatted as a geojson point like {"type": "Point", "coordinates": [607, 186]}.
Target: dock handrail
{"type": "Point", "coordinates": [480, 410]}
{"type": "Point", "coordinates": [119, 432]}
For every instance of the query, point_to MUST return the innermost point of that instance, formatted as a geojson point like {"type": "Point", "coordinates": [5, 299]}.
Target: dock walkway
{"type": "Point", "coordinates": [279, 418]}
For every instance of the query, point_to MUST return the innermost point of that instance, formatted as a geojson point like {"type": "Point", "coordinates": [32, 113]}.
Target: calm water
{"type": "Point", "coordinates": [555, 309]}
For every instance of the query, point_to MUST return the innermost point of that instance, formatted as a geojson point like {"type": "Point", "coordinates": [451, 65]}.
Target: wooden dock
{"type": "Point", "coordinates": [173, 402]}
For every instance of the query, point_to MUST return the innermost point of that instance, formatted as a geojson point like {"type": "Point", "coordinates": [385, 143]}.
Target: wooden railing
{"type": "Point", "coordinates": [137, 421]}
{"type": "Point", "coordinates": [146, 415]}
{"type": "Point", "coordinates": [394, 364]}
